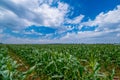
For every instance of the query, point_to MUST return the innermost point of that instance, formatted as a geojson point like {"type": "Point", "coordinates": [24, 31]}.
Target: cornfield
{"type": "Point", "coordinates": [60, 62]}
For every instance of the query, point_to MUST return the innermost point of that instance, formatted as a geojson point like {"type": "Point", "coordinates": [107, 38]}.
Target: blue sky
{"type": "Point", "coordinates": [59, 21]}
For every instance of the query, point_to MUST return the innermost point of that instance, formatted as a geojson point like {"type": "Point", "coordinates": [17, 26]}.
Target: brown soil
{"type": "Point", "coordinates": [23, 66]}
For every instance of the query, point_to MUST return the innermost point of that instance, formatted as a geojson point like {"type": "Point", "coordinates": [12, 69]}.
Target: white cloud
{"type": "Point", "coordinates": [108, 30]}
{"type": "Point", "coordinates": [22, 13]}
{"type": "Point", "coordinates": [26, 3]}
{"type": "Point", "coordinates": [52, 16]}
{"type": "Point", "coordinates": [10, 20]}
{"type": "Point", "coordinates": [106, 21]}
{"type": "Point", "coordinates": [17, 40]}
{"type": "Point", "coordinates": [31, 32]}
{"type": "Point", "coordinates": [93, 37]}
{"type": "Point", "coordinates": [76, 20]}
{"type": "Point", "coordinates": [81, 37]}
{"type": "Point", "coordinates": [19, 14]}
{"type": "Point", "coordinates": [111, 36]}
{"type": "Point", "coordinates": [50, 2]}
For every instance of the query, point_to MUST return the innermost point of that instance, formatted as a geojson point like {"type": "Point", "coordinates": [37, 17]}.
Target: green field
{"type": "Point", "coordinates": [60, 62]}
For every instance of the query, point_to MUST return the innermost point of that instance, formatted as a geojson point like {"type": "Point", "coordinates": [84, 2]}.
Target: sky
{"type": "Point", "coordinates": [59, 21]}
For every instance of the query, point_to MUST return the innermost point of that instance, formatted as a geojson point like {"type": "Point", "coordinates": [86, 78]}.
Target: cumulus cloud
{"type": "Point", "coordinates": [93, 37]}
{"type": "Point", "coordinates": [76, 20]}
{"type": "Point", "coordinates": [17, 15]}
{"type": "Point", "coordinates": [107, 31]}
{"type": "Point", "coordinates": [81, 37]}
{"type": "Point", "coordinates": [106, 21]}
{"type": "Point", "coordinates": [23, 13]}
{"type": "Point", "coordinates": [52, 16]}
{"type": "Point", "coordinates": [50, 2]}
{"type": "Point", "coordinates": [10, 20]}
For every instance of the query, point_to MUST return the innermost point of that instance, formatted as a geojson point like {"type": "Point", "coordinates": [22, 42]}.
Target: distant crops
{"type": "Point", "coordinates": [69, 62]}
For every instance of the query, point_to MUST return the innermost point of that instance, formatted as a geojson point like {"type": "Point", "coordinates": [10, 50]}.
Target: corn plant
{"type": "Point", "coordinates": [72, 62]}
{"type": "Point", "coordinates": [9, 68]}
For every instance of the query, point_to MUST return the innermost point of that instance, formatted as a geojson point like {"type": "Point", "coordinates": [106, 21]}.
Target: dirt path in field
{"type": "Point", "coordinates": [23, 66]}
